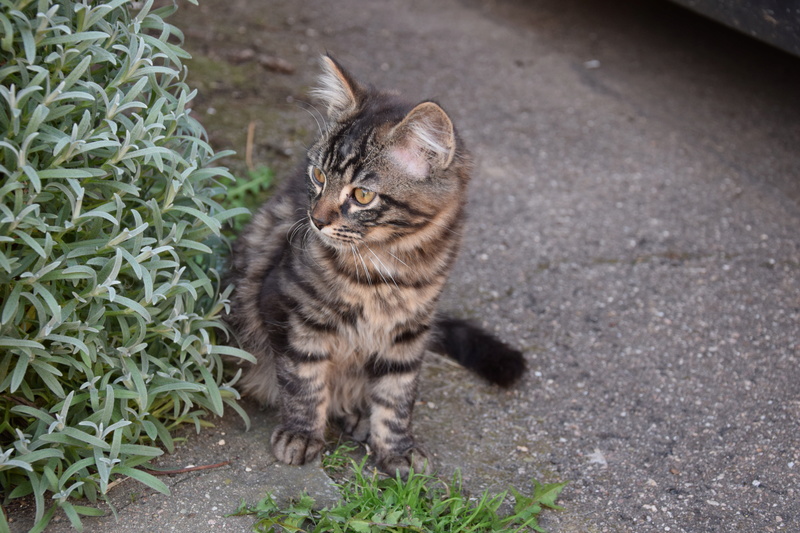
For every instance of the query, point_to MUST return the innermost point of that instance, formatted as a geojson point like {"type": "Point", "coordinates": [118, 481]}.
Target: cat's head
{"type": "Point", "coordinates": [383, 170]}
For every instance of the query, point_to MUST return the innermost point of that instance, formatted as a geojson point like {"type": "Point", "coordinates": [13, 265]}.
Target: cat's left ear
{"type": "Point", "coordinates": [337, 89]}
{"type": "Point", "coordinates": [425, 137]}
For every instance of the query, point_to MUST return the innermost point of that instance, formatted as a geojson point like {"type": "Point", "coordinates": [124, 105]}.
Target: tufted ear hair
{"type": "Point", "coordinates": [424, 138]}
{"type": "Point", "coordinates": [337, 89]}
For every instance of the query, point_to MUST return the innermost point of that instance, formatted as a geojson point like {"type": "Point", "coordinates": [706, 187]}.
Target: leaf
{"type": "Point", "coordinates": [221, 349]}
{"type": "Point", "coordinates": [76, 38]}
{"type": "Point", "coordinates": [4, 527]}
{"type": "Point", "coordinates": [137, 449]}
{"type": "Point", "coordinates": [63, 173]}
{"type": "Point", "coordinates": [210, 223]}
{"type": "Point", "coordinates": [88, 511]}
{"type": "Point", "coordinates": [176, 386]}
{"type": "Point", "coordinates": [361, 526]}
{"type": "Point", "coordinates": [546, 494]}
{"type": "Point", "coordinates": [47, 372]}
{"type": "Point", "coordinates": [77, 343]}
{"type": "Point", "coordinates": [33, 412]}
{"type": "Point", "coordinates": [72, 514]}
{"type": "Point", "coordinates": [18, 374]}
{"type": "Point", "coordinates": [30, 241]}
{"type": "Point", "coordinates": [143, 477]}
{"type": "Point", "coordinates": [44, 520]}
{"type": "Point", "coordinates": [163, 434]}
{"type": "Point", "coordinates": [133, 306]}
{"type": "Point", "coordinates": [241, 412]}
{"type": "Point", "coordinates": [19, 343]}
{"type": "Point", "coordinates": [141, 389]}
{"type": "Point", "coordinates": [11, 304]}
{"type": "Point", "coordinates": [212, 391]}
{"type": "Point", "coordinates": [82, 464]}
{"type": "Point", "coordinates": [85, 437]}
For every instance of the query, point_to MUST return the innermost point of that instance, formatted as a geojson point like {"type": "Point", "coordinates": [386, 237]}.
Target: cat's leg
{"type": "Point", "coordinates": [393, 392]}
{"type": "Point", "coordinates": [304, 407]}
{"type": "Point", "coordinates": [355, 425]}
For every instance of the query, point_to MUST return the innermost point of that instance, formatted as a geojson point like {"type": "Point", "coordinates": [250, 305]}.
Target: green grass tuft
{"type": "Point", "coordinates": [247, 193]}
{"type": "Point", "coordinates": [372, 503]}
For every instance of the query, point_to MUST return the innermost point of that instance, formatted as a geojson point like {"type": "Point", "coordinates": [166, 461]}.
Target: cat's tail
{"type": "Point", "coordinates": [478, 351]}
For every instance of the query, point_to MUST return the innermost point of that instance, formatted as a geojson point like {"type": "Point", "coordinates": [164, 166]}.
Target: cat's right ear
{"type": "Point", "coordinates": [337, 90]}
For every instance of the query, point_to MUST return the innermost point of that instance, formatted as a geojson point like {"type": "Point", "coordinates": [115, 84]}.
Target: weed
{"type": "Point", "coordinates": [371, 502]}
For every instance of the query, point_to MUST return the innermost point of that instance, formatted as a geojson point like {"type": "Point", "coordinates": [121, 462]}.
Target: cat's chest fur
{"type": "Point", "coordinates": [372, 287]}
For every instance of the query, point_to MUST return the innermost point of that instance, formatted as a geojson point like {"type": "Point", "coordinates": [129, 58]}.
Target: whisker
{"type": "Point", "coordinates": [388, 272]}
{"type": "Point", "coordinates": [355, 261]}
{"type": "Point", "coordinates": [364, 264]}
{"type": "Point", "coordinates": [304, 247]}
{"type": "Point", "coordinates": [381, 273]}
{"type": "Point", "coordinates": [307, 110]}
{"type": "Point", "coordinates": [295, 228]}
{"type": "Point", "coordinates": [451, 230]}
{"type": "Point", "coordinates": [379, 270]}
{"type": "Point", "coordinates": [397, 259]}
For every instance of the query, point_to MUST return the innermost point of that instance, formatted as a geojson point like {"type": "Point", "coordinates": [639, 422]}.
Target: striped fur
{"type": "Point", "coordinates": [337, 299]}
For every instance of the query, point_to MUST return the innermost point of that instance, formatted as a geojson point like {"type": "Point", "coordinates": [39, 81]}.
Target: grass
{"type": "Point", "coordinates": [248, 192]}
{"type": "Point", "coordinates": [422, 503]}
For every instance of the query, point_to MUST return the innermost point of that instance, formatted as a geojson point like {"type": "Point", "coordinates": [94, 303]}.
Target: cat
{"type": "Point", "coordinates": [338, 276]}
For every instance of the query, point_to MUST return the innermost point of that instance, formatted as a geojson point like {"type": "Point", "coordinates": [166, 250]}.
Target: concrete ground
{"type": "Point", "coordinates": [634, 227]}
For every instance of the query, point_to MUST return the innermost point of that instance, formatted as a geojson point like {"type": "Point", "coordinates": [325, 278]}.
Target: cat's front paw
{"type": "Point", "coordinates": [415, 458]}
{"type": "Point", "coordinates": [295, 448]}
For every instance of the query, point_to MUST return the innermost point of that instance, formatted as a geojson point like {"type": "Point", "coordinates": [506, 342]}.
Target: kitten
{"type": "Point", "coordinates": [339, 273]}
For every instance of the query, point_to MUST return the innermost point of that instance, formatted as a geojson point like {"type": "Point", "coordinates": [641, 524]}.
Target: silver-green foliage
{"type": "Point", "coordinates": [109, 246]}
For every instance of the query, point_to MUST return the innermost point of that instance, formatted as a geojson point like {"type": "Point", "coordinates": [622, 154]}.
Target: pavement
{"type": "Point", "coordinates": [633, 227]}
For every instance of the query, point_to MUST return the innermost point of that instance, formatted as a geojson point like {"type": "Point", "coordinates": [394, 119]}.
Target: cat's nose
{"type": "Point", "coordinates": [323, 214]}
{"type": "Point", "coordinates": [319, 223]}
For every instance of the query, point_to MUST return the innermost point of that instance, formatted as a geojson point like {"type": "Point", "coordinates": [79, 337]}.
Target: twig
{"type": "Point", "coordinates": [184, 470]}
{"type": "Point", "coordinates": [248, 149]}
{"type": "Point", "coordinates": [17, 399]}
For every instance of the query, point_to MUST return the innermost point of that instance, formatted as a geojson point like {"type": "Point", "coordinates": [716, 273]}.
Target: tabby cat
{"type": "Point", "coordinates": [338, 276]}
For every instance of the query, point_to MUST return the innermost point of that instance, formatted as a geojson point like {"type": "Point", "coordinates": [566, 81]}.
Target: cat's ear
{"type": "Point", "coordinates": [425, 137]}
{"type": "Point", "coordinates": [337, 89]}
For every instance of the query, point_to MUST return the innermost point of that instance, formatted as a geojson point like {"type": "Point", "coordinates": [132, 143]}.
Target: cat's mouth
{"type": "Point", "coordinates": [338, 237]}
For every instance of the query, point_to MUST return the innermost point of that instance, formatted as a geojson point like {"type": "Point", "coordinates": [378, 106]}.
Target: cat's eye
{"type": "Point", "coordinates": [363, 196]}
{"type": "Point", "coordinates": [319, 175]}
